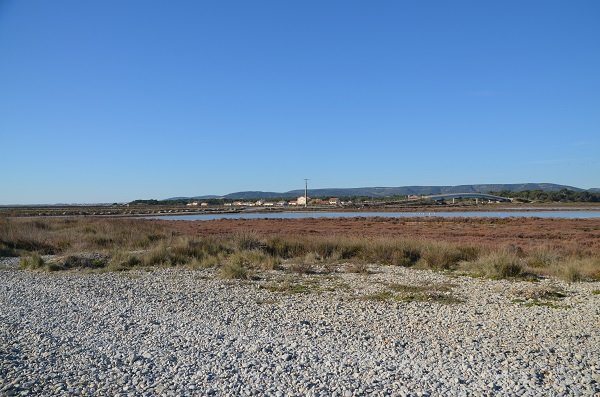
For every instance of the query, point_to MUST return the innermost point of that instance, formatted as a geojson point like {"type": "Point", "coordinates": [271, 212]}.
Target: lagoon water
{"type": "Point", "coordinates": [328, 214]}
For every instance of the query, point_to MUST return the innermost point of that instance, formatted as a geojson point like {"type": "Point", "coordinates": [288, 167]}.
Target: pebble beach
{"type": "Point", "coordinates": [177, 332]}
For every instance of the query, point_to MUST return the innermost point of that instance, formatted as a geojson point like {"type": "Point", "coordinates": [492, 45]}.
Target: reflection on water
{"type": "Point", "coordinates": [469, 214]}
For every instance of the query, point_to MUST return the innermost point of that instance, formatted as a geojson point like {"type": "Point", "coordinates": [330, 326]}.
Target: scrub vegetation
{"type": "Point", "coordinates": [121, 244]}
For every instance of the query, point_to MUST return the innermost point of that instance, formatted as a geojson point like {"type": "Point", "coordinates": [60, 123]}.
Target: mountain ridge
{"type": "Point", "coordinates": [381, 191]}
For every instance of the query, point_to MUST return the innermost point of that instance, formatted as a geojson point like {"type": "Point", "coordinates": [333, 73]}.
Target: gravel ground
{"type": "Point", "coordinates": [178, 332]}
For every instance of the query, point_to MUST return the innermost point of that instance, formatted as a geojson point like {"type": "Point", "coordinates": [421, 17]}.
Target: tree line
{"type": "Point", "coordinates": [563, 195]}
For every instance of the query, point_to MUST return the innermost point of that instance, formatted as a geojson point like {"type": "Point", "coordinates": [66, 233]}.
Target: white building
{"type": "Point", "coordinates": [301, 200]}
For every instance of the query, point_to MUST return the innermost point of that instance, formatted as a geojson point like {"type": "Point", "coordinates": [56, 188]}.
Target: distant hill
{"type": "Point", "coordinates": [377, 192]}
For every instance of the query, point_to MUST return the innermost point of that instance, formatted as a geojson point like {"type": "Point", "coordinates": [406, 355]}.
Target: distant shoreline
{"type": "Point", "coordinates": [159, 211]}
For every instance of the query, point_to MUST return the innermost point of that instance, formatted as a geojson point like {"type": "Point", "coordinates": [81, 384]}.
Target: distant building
{"type": "Point", "coordinates": [192, 204]}
{"type": "Point", "coordinates": [203, 204]}
{"type": "Point", "coordinates": [334, 201]}
{"type": "Point", "coordinates": [268, 204]}
{"type": "Point", "coordinates": [301, 200]}
{"type": "Point", "coordinates": [282, 203]}
{"type": "Point", "coordinates": [238, 203]}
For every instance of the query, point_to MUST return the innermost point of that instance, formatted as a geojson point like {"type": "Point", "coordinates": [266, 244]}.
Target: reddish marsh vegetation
{"type": "Point", "coordinates": [496, 248]}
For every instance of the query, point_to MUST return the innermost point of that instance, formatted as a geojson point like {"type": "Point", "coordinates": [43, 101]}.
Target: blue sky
{"type": "Point", "coordinates": [117, 100]}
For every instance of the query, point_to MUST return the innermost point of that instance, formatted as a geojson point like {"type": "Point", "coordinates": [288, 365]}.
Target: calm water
{"type": "Point", "coordinates": [303, 215]}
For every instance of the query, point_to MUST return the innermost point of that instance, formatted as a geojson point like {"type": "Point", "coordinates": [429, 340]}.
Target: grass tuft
{"type": "Point", "coordinates": [234, 271]}
{"type": "Point", "coordinates": [498, 265]}
{"type": "Point", "coordinates": [32, 262]}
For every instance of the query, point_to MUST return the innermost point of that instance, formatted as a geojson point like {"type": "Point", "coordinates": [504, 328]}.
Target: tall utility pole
{"type": "Point", "coordinates": [305, 192]}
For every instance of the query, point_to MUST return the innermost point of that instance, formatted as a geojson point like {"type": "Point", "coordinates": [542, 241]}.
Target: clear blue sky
{"type": "Point", "coordinates": [104, 101]}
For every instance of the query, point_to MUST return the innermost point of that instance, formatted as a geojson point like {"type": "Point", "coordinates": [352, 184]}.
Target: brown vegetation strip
{"type": "Point", "coordinates": [565, 234]}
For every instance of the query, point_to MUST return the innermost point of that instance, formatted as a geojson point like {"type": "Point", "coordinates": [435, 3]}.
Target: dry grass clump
{"type": "Point", "coordinates": [445, 256]}
{"type": "Point", "coordinates": [205, 252]}
{"type": "Point", "coordinates": [333, 248]}
{"type": "Point", "coordinates": [77, 262]}
{"type": "Point", "coordinates": [207, 262]}
{"type": "Point", "coordinates": [123, 260]}
{"type": "Point", "coordinates": [576, 269]}
{"type": "Point", "coordinates": [306, 265]}
{"type": "Point", "coordinates": [232, 270]}
{"type": "Point", "coordinates": [392, 252]}
{"type": "Point", "coordinates": [242, 264]}
{"type": "Point", "coordinates": [255, 259]}
{"type": "Point", "coordinates": [247, 241]}
{"type": "Point", "coordinates": [33, 262]}
{"type": "Point", "coordinates": [541, 257]}
{"type": "Point", "coordinates": [64, 235]}
{"type": "Point", "coordinates": [497, 264]}
{"type": "Point", "coordinates": [36, 262]}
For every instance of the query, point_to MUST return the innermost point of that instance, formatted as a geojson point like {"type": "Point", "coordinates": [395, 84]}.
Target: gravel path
{"type": "Point", "coordinates": [177, 332]}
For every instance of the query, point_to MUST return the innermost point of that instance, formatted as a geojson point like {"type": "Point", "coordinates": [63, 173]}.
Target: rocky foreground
{"type": "Point", "coordinates": [393, 332]}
